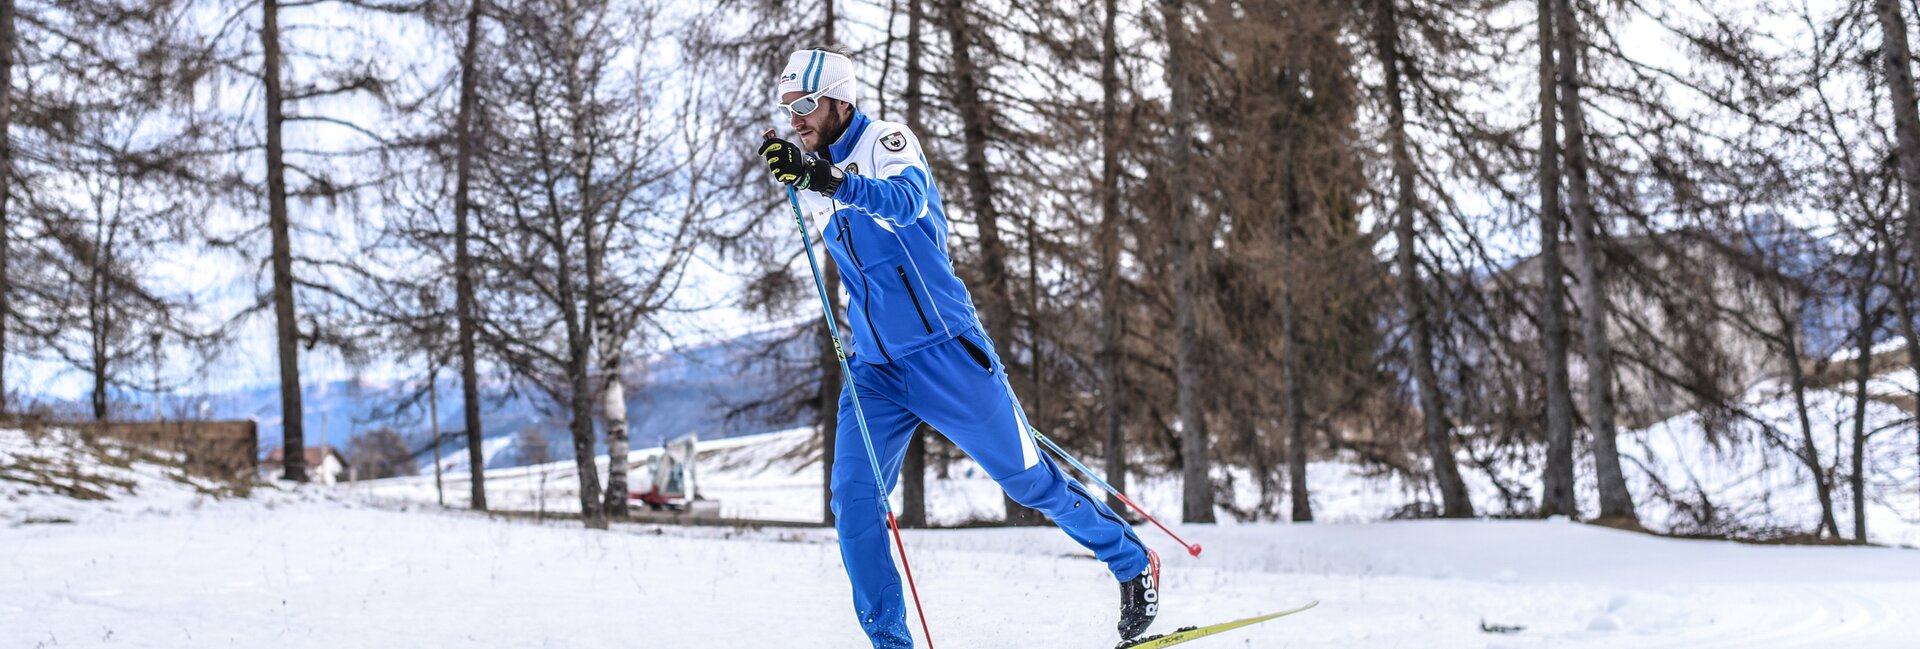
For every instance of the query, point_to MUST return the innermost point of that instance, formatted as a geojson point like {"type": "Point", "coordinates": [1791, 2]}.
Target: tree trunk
{"type": "Point", "coordinates": [1038, 415]}
{"type": "Point", "coordinates": [157, 338]}
{"type": "Point", "coordinates": [579, 381]}
{"type": "Point", "coordinates": [97, 318]}
{"type": "Point", "coordinates": [293, 432]}
{"type": "Point", "coordinates": [580, 423]}
{"type": "Point", "coordinates": [1197, 488]}
{"type": "Point", "coordinates": [464, 266]}
{"type": "Point", "coordinates": [1809, 455]}
{"type": "Point", "coordinates": [1557, 480]}
{"type": "Point", "coordinates": [433, 421]}
{"type": "Point", "coordinates": [580, 323]}
{"type": "Point", "coordinates": [1615, 501]}
{"type": "Point", "coordinates": [913, 480]}
{"type": "Point", "coordinates": [995, 296]}
{"type": "Point", "coordinates": [100, 312]}
{"type": "Point", "coordinates": [1455, 503]}
{"type": "Point", "coordinates": [601, 331]}
{"type": "Point", "coordinates": [830, 388]}
{"type": "Point", "coordinates": [1863, 373]}
{"type": "Point", "coordinates": [830, 379]}
{"type": "Point", "coordinates": [913, 471]}
{"type": "Point", "coordinates": [614, 405]}
{"type": "Point", "coordinates": [1897, 55]}
{"type": "Point", "coordinates": [1903, 302]}
{"type": "Point", "coordinates": [7, 43]}
{"type": "Point", "coordinates": [1296, 404]}
{"type": "Point", "coordinates": [1112, 323]}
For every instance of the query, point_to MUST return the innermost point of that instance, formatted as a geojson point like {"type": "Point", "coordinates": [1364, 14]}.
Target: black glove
{"type": "Point", "coordinates": [789, 167]}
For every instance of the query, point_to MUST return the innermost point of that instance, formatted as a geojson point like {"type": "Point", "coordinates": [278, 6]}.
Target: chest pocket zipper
{"type": "Point", "coordinates": [866, 303]}
{"type": "Point", "coordinates": [915, 297]}
{"type": "Point", "coordinates": [846, 236]}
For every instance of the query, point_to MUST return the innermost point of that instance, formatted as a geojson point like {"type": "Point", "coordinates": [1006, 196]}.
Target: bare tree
{"type": "Point", "coordinates": [418, 255]}
{"type": "Point", "coordinates": [1790, 340]}
{"type": "Point", "coordinates": [767, 245]}
{"type": "Point", "coordinates": [320, 92]}
{"type": "Point", "coordinates": [1869, 315]}
{"type": "Point", "coordinates": [1849, 135]}
{"type": "Point", "coordinates": [1112, 309]}
{"type": "Point", "coordinates": [1557, 476]}
{"type": "Point", "coordinates": [1897, 57]}
{"type": "Point", "coordinates": [467, 141]}
{"type": "Point", "coordinates": [130, 211]}
{"type": "Point", "coordinates": [614, 410]}
{"type": "Point", "coordinates": [286, 327]}
{"type": "Point", "coordinates": [1433, 414]}
{"type": "Point", "coordinates": [108, 166]}
{"type": "Point", "coordinates": [84, 203]}
{"type": "Point", "coordinates": [8, 44]}
{"type": "Point", "coordinates": [1615, 501]}
{"type": "Point", "coordinates": [995, 292]}
{"type": "Point", "coordinates": [913, 468]}
{"type": "Point", "coordinates": [588, 226]}
{"type": "Point", "coordinates": [1197, 494]}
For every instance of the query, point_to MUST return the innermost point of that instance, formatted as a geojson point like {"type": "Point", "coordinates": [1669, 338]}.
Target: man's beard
{"type": "Point", "coordinates": [831, 132]}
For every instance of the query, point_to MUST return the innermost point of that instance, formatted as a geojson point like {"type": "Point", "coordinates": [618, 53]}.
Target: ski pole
{"type": "Point", "coordinates": [1192, 548]}
{"type": "Point", "coordinates": [833, 331]}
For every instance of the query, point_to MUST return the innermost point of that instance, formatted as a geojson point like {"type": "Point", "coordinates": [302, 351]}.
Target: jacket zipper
{"type": "Point", "coordinates": [916, 298]}
{"type": "Point", "coordinates": [866, 299]}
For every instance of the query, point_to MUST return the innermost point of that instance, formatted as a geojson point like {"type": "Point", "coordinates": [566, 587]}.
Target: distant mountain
{"type": "Point", "coordinates": [669, 394]}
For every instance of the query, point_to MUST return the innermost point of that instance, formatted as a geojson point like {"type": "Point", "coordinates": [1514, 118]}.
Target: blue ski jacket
{"type": "Point", "coordinates": [887, 230]}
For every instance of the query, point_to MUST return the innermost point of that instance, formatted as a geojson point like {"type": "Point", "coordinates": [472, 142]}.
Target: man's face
{"type": "Point", "coordinates": [825, 121]}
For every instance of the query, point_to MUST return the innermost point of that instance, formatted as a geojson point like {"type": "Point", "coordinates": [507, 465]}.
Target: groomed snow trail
{"type": "Point", "coordinates": [308, 571]}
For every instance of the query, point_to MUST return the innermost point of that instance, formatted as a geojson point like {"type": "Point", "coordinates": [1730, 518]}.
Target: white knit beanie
{"type": "Point", "coordinates": [810, 70]}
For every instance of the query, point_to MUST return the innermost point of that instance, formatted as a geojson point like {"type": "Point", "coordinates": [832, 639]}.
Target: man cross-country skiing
{"type": "Point", "coordinates": [919, 350]}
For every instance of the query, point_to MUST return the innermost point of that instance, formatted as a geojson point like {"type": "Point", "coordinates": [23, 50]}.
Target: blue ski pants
{"type": "Point", "coordinates": [959, 387]}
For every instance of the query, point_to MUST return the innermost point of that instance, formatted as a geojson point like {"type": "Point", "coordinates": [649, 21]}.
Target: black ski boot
{"type": "Point", "coordinates": [1140, 600]}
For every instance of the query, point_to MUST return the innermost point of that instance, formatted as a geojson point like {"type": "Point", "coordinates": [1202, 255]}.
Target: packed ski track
{"type": "Point", "coordinates": [377, 565]}
{"type": "Point", "coordinates": [311, 570]}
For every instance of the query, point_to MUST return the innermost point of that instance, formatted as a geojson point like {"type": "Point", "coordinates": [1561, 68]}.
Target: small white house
{"type": "Point", "coordinates": [325, 465]}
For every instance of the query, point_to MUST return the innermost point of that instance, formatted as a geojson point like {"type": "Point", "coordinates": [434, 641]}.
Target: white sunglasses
{"type": "Point", "coordinates": [805, 106]}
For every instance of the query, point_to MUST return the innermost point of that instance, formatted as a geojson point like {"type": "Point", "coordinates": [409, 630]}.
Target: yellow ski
{"type": "Point", "coordinates": [1195, 633]}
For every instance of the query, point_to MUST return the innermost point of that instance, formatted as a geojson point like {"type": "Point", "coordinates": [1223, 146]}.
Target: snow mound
{"type": "Point", "coordinates": [60, 476]}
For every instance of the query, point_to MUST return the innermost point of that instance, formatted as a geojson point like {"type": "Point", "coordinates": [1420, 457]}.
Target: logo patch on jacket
{"type": "Point", "coordinates": [853, 168]}
{"type": "Point", "coordinates": [895, 141]}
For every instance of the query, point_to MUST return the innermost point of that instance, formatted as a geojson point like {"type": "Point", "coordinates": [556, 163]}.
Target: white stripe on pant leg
{"type": "Point", "coordinates": [1029, 456]}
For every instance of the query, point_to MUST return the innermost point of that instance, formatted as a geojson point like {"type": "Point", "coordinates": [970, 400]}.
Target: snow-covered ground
{"type": "Point", "coordinates": [318, 572]}
{"type": "Point", "coordinates": [158, 566]}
